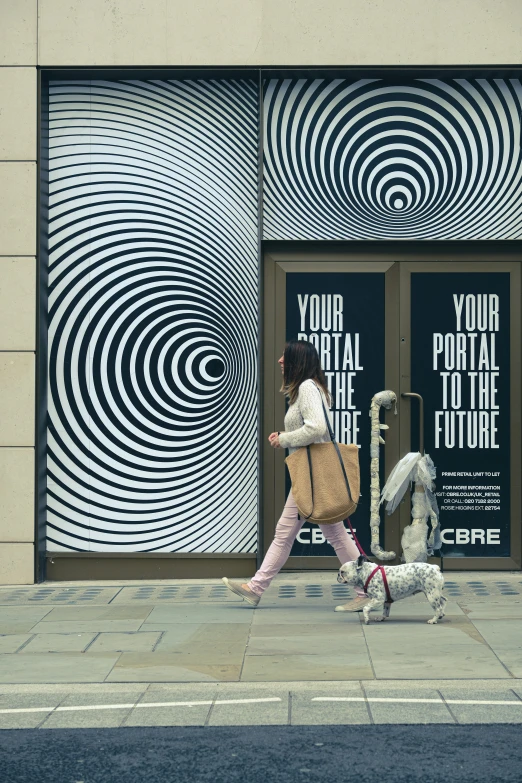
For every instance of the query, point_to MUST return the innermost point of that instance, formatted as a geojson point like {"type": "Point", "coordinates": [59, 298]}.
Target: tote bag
{"type": "Point", "coordinates": [325, 479]}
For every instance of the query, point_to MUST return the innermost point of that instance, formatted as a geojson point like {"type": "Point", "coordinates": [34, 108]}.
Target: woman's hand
{"type": "Point", "coordinates": [273, 439]}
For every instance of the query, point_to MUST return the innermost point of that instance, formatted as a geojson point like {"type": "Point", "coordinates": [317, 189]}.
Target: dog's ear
{"type": "Point", "coordinates": [360, 560]}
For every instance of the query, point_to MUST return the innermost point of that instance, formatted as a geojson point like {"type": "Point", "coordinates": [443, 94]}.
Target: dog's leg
{"type": "Point", "coordinates": [437, 602]}
{"type": "Point", "coordinates": [385, 613]}
{"type": "Point", "coordinates": [368, 608]}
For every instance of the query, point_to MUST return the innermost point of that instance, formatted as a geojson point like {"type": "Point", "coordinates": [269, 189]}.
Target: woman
{"type": "Point", "coordinates": [304, 384]}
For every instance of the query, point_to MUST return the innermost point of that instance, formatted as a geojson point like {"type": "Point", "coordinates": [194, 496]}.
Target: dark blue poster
{"type": "Point", "coordinates": [460, 365]}
{"type": "Point", "coordinates": [342, 314]}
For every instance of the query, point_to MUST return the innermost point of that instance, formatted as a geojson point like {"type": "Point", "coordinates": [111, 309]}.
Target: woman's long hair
{"type": "Point", "coordinates": [301, 363]}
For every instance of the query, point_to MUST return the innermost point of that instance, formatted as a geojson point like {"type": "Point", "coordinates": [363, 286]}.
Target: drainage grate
{"type": "Point", "coordinates": [57, 595]}
{"type": "Point", "coordinates": [175, 594]}
{"type": "Point", "coordinates": [287, 591]}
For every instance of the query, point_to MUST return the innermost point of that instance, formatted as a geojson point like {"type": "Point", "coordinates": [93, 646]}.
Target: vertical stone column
{"type": "Point", "coordinates": [18, 206]}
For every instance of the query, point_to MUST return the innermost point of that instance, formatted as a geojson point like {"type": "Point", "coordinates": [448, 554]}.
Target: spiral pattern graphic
{"type": "Point", "coordinates": [153, 316]}
{"type": "Point", "coordinates": [428, 159]}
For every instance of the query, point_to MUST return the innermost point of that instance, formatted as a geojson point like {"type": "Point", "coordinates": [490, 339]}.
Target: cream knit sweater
{"type": "Point", "coordinates": [304, 420]}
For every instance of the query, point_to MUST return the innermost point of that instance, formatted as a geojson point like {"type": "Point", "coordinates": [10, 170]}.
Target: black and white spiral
{"type": "Point", "coordinates": [153, 302]}
{"type": "Point", "coordinates": [430, 159]}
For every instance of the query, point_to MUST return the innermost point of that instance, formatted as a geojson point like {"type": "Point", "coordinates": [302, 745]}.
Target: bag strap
{"type": "Point", "coordinates": [336, 446]}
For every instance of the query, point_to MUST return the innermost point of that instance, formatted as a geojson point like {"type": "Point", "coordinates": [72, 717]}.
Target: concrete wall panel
{"type": "Point", "coordinates": [18, 114]}
{"type": "Point", "coordinates": [16, 564]}
{"type": "Point", "coordinates": [280, 32]}
{"type": "Point", "coordinates": [17, 493]}
{"type": "Point", "coordinates": [17, 304]}
{"type": "Point", "coordinates": [18, 209]}
{"type": "Point", "coordinates": [16, 399]}
{"type": "Point", "coordinates": [18, 32]}
{"type": "Point", "coordinates": [392, 32]}
{"type": "Point", "coordinates": [148, 32]}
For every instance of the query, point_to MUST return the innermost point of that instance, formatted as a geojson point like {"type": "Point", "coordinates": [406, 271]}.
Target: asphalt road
{"type": "Point", "coordinates": [264, 754]}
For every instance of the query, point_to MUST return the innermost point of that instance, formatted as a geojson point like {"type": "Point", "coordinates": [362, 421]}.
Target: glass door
{"type": "Point", "coordinates": [448, 330]}
{"type": "Point", "coordinates": [463, 356]}
{"type": "Point", "coordinates": [348, 310]}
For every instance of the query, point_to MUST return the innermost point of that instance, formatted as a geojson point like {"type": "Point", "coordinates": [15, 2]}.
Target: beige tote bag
{"type": "Point", "coordinates": [325, 479]}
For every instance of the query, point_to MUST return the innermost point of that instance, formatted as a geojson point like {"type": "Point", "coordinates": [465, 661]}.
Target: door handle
{"type": "Point", "coordinates": [421, 418]}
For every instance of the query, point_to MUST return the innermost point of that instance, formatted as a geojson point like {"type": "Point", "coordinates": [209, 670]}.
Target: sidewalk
{"type": "Point", "coordinates": [148, 648]}
{"type": "Point", "coordinates": [200, 632]}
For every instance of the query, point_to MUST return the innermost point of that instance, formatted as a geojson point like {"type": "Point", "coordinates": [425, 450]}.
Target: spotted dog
{"type": "Point", "coordinates": [402, 581]}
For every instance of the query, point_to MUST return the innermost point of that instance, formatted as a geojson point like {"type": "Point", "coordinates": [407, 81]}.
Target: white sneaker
{"type": "Point", "coordinates": [239, 590]}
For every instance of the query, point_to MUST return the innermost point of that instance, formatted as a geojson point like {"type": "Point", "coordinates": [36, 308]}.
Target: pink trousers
{"type": "Point", "coordinates": [287, 529]}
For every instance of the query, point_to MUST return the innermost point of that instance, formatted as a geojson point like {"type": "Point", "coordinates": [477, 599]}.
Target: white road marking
{"type": "Point", "coordinates": [95, 707]}
{"type": "Point", "coordinates": [245, 701]}
{"type": "Point", "coordinates": [83, 708]}
{"type": "Point", "coordinates": [174, 704]}
{"type": "Point", "coordinates": [268, 700]}
{"type": "Point", "coordinates": [417, 701]}
{"type": "Point", "coordinates": [370, 698]}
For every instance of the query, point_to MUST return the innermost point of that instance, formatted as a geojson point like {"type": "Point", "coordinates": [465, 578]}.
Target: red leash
{"type": "Point", "coordinates": [380, 568]}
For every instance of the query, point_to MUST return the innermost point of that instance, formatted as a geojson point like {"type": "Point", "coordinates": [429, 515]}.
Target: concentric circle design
{"type": "Point", "coordinates": [152, 439]}
{"type": "Point", "coordinates": [368, 159]}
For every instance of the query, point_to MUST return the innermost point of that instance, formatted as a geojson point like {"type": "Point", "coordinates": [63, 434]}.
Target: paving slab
{"type": "Point", "coordinates": [92, 718]}
{"type": "Point", "coordinates": [39, 699]}
{"type": "Point", "coordinates": [459, 629]}
{"type": "Point", "coordinates": [24, 720]}
{"type": "Point", "coordinates": [302, 615]}
{"type": "Point", "coordinates": [185, 691]}
{"type": "Point", "coordinates": [505, 639]}
{"type": "Point", "coordinates": [58, 667]}
{"type": "Point", "coordinates": [84, 626]}
{"type": "Point", "coordinates": [483, 713]}
{"type": "Point", "coordinates": [347, 640]}
{"type": "Point", "coordinates": [506, 633]}
{"type": "Point", "coordinates": [166, 667]}
{"type": "Point", "coordinates": [58, 642]}
{"type": "Point", "coordinates": [406, 712]}
{"type": "Point", "coordinates": [213, 654]}
{"type": "Point", "coordinates": [279, 630]}
{"type": "Point", "coordinates": [414, 610]}
{"type": "Point", "coordinates": [86, 613]}
{"type": "Point", "coordinates": [494, 685]}
{"type": "Point", "coordinates": [188, 636]}
{"type": "Point", "coordinates": [287, 668]}
{"type": "Point", "coordinates": [299, 644]}
{"type": "Point", "coordinates": [201, 613]}
{"type": "Point", "coordinates": [429, 652]}
{"type": "Point", "coordinates": [511, 658]}
{"type": "Point", "coordinates": [246, 709]}
{"type": "Point", "coordinates": [184, 709]}
{"type": "Point", "coordinates": [23, 613]}
{"type": "Point", "coordinates": [21, 619]}
{"type": "Point", "coordinates": [307, 712]}
{"type": "Point", "coordinates": [493, 610]}
{"type": "Point", "coordinates": [125, 642]}
{"type": "Point", "coordinates": [410, 713]}
{"type": "Point", "coordinates": [74, 688]}
{"type": "Point", "coordinates": [412, 664]}
{"type": "Point", "coordinates": [12, 642]}
{"type": "Point", "coordinates": [169, 716]}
